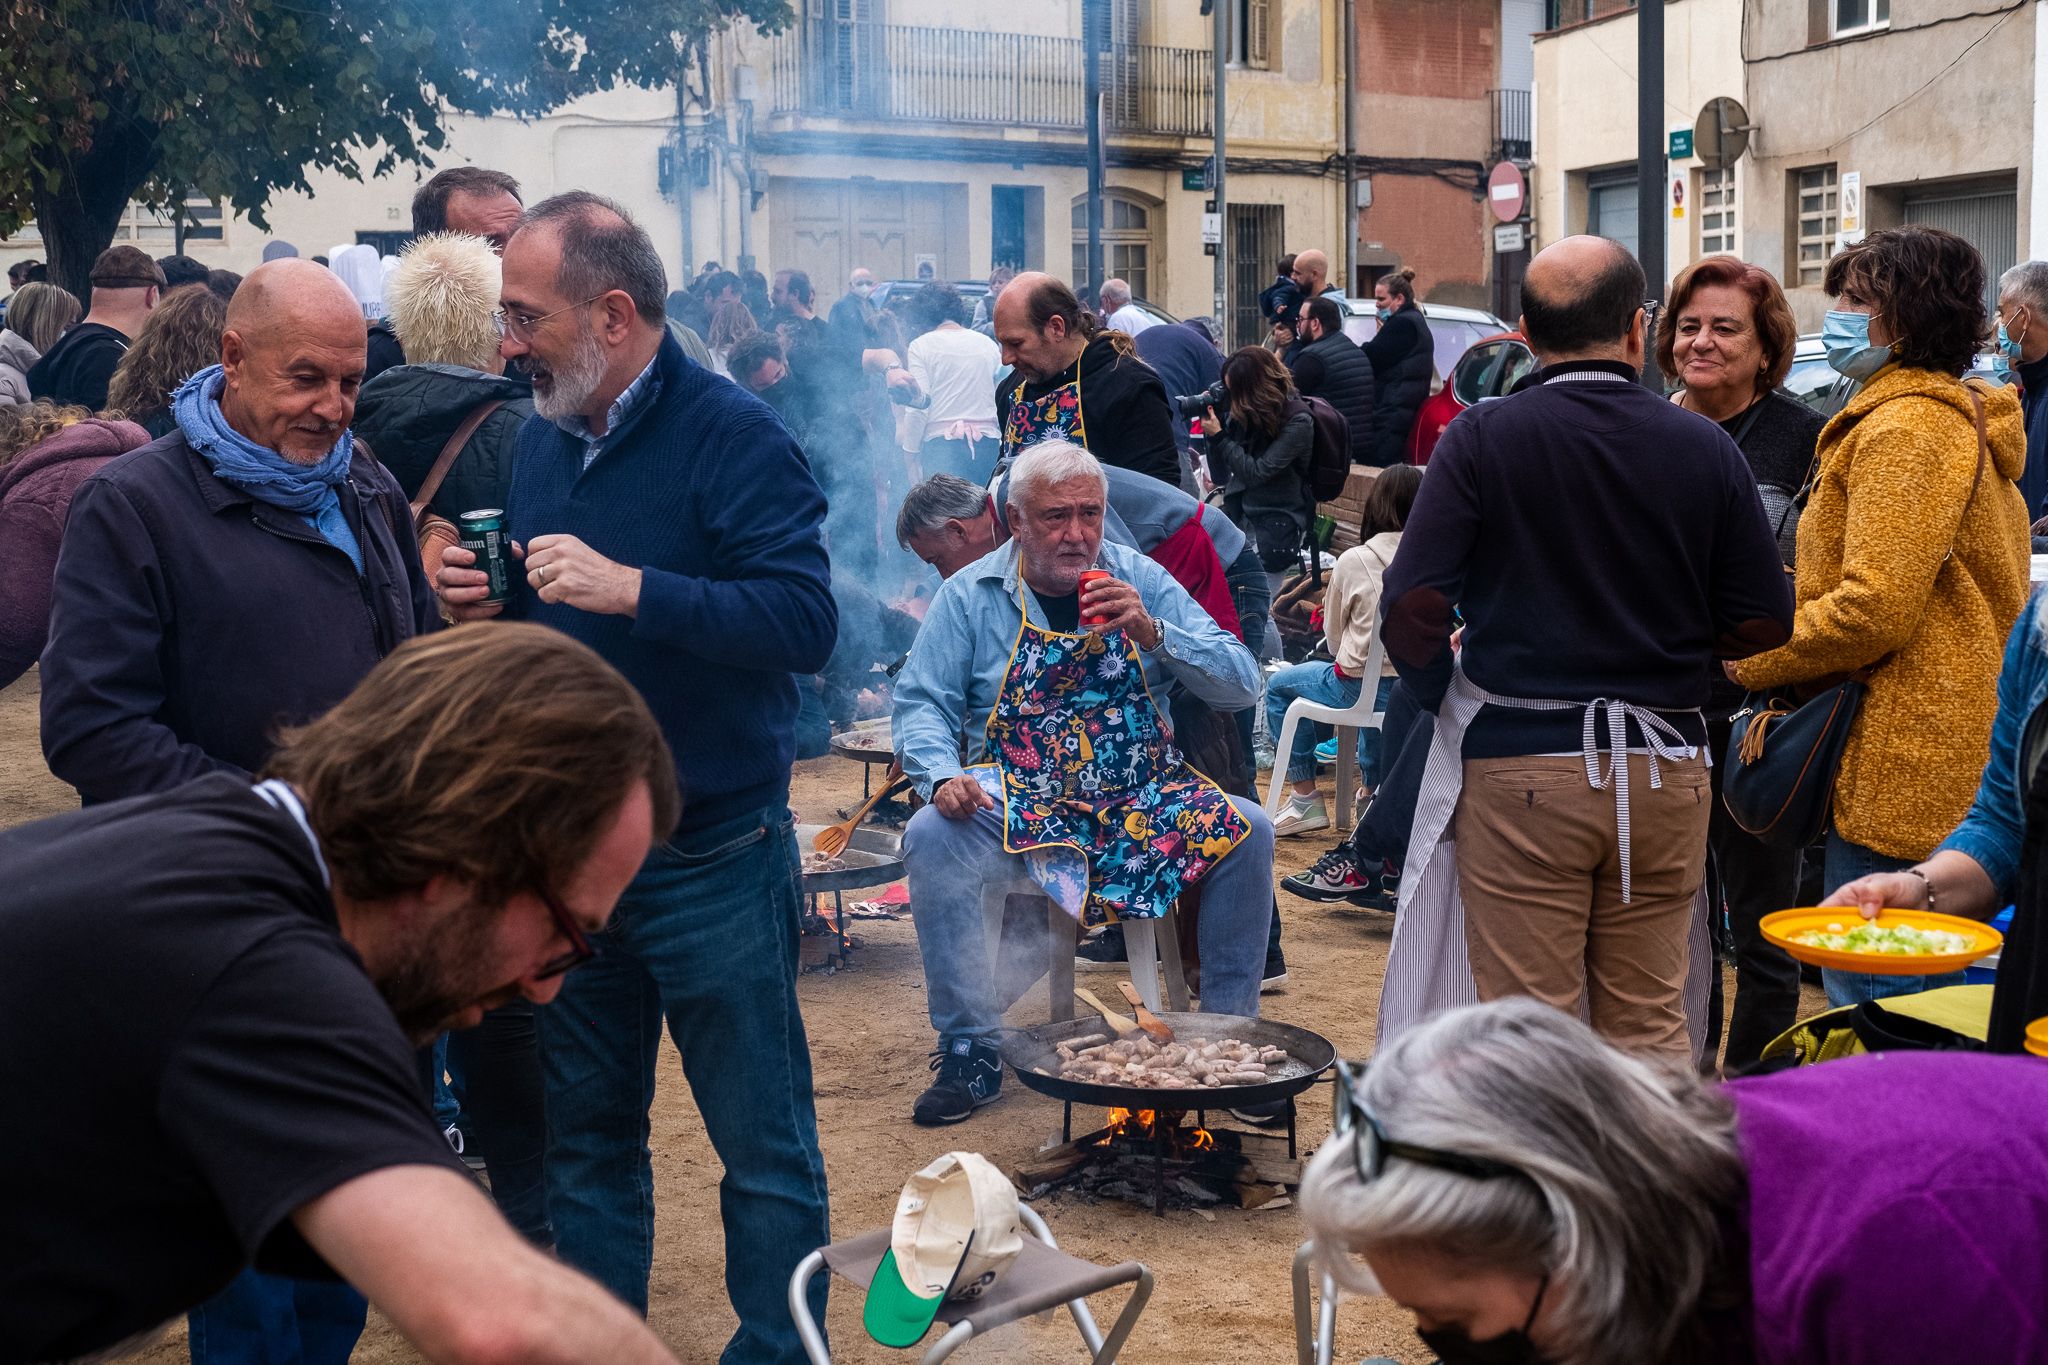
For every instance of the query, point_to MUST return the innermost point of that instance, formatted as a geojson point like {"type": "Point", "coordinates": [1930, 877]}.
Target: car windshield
{"type": "Point", "coordinates": [1451, 340]}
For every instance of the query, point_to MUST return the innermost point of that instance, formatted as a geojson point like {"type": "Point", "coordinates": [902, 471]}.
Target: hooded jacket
{"type": "Point", "coordinates": [407, 414]}
{"type": "Point", "coordinates": [35, 494]}
{"type": "Point", "coordinates": [1403, 360]}
{"type": "Point", "coordinates": [1899, 460]}
{"type": "Point", "coordinates": [1126, 420]}
{"type": "Point", "coordinates": [17, 358]}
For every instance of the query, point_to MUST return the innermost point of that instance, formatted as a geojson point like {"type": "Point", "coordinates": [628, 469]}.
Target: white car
{"type": "Point", "coordinates": [1452, 330]}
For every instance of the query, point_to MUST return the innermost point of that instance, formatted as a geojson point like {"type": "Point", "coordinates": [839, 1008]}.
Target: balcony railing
{"type": "Point", "coordinates": [1512, 124]}
{"type": "Point", "coordinates": [939, 75]}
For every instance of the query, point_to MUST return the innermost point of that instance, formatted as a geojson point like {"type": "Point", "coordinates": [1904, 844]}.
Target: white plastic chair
{"type": "Point", "coordinates": [1153, 946]}
{"type": "Point", "coordinates": [1363, 714]}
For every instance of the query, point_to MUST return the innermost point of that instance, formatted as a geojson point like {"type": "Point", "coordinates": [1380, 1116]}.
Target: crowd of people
{"type": "Point", "coordinates": [479, 867]}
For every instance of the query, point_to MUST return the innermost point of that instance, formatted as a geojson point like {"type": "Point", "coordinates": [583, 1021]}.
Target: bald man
{"type": "Point", "coordinates": [240, 574]}
{"type": "Point", "coordinates": [1607, 552]}
{"type": "Point", "coordinates": [1311, 273]}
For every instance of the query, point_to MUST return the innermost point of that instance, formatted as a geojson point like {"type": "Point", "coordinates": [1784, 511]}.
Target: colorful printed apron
{"type": "Point", "coordinates": [1093, 793]}
{"type": "Point", "coordinates": [1029, 421]}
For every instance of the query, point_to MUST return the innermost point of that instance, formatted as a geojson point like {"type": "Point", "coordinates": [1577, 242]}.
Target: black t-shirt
{"type": "Point", "coordinates": [1062, 614]}
{"type": "Point", "coordinates": [80, 366]}
{"type": "Point", "coordinates": [191, 1053]}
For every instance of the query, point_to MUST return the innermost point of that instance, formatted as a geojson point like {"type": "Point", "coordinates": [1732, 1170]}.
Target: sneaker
{"type": "Point", "coordinates": [1103, 953]}
{"type": "Point", "coordinates": [1301, 816]}
{"type": "Point", "coordinates": [970, 1075]}
{"type": "Point", "coordinates": [1336, 876]}
{"type": "Point", "coordinates": [1326, 752]}
{"type": "Point", "coordinates": [457, 1143]}
{"type": "Point", "coordinates": [1275, 975]}
{"type": "Point", "coordinates": [1265, 1115]}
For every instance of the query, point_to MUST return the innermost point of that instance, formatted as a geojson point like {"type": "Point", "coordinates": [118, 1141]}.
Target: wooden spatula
{"type": "Point", "coordinates": [1124, 1026]}
{"type": "Point", "coordinates": [831, 840]}
{"type": "Point", "coordinates": [1161, 1031]}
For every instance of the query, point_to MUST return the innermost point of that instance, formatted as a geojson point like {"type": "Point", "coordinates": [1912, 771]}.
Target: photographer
{"type": "Point", "coordinates": [1261, 456]}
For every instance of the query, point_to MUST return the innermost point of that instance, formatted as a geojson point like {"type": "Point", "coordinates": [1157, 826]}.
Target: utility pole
{"type": "Point", "coordinates": [1094, 20]}
{"type": "Point", "coordinates": [1651, 225]}
{"type": "Point", "coordinates": [1220, 10]}
{"type": "Point", "coordinates": [682, 172]}
{"type": "Point", "coordinates": [1350, 147]}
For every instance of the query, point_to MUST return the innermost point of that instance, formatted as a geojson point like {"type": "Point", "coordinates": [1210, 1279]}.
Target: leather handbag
{"type": "Point", "coordinates": [435, 532]}
{"type": "Point", "coordinates": [1778, 774]}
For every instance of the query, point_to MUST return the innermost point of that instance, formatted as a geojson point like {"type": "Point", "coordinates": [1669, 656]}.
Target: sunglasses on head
{"type": "Point", "coordinates": [1372, 1147]}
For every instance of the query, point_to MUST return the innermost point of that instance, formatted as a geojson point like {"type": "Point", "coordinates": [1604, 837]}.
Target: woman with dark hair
{"type": "Point", "coordinates": [1403, 360]}
{"type": "Point", "coordinates": [1727, 336]}
{"type": "Point", "coordinates": [1912, 558]}
{"type": "Point", "coordinates": [1351, 613]}
{"type": "Point", "coordinates": [947, 392]}
{"type": "Point", "coordinates": [1261, 456]}
{"type": "Point", "coordinates": [181, 338]}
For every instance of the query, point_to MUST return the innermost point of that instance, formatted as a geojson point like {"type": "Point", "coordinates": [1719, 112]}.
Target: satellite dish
{"type": "Point", "coordinates": [1721, 135]}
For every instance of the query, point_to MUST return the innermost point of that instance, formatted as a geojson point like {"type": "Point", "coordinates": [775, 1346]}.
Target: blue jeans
{"type": "Point", "coordinates": [949, 862]}
{"type": "Point", "coordinates": [1845, 862]}
{"type": "Point", "coordinates": [1319, 683]}
{"type": "Point", "coordinates": [271, 1320]}
{"type": "Point", "coordinates": [706, 936]}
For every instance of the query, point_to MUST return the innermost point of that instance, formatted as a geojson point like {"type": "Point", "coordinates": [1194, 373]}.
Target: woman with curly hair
{"type": "Point", "coordinates": [1912, 558]}
{"type": "Point", "coordinates": [181, 338]}
{"type": "Point", "coordinates": [46, 451]}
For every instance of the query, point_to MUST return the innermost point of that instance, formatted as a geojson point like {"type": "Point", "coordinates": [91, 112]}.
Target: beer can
{"type": "Point", "coordinates": [1089, 576]}
{"type": "Point", "coordinates": [483, 535]}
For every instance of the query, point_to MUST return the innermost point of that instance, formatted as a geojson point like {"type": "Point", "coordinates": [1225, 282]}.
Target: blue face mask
{"type": "Point", "coordinates": [1383, 313]}
{"type": "Point", "coordinates": [1847, 338]}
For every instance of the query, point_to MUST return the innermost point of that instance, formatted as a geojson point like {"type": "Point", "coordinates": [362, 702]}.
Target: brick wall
{"type": "Point", "coordinates": [1444, 49]}
{"type": "Point", "coordinates": [1439, 230]}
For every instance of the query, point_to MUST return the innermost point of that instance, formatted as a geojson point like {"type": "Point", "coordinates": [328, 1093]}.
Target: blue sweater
{"type": "Point", "coordinates": [709, 497]}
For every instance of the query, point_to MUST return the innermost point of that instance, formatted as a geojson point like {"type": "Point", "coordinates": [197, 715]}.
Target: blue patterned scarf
{"type": "Point", "coordinates": [264, 474]}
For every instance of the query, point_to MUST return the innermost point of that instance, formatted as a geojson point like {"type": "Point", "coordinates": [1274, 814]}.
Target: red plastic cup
{"type": "Point", "coordinates": [1089, 576]}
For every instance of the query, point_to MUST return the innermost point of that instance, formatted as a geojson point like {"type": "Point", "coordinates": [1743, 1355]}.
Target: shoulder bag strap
{"type": "Point", "coordinates": [446, 459]}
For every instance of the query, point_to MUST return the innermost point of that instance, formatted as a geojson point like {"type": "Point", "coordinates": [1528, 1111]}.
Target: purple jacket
{"type": "Point", "coordinates": [35, 495]}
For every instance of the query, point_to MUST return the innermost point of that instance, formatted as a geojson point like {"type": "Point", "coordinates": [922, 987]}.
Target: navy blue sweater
{"type": "Point", "coordinates": [708, 496]}
{"type": "Point", "coordinates": [1599, 542]}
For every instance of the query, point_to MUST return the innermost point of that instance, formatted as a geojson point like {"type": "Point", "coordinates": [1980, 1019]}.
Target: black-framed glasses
{"type": "Point", "coordinates": [580, 950]}
{"type": "Point", "coordinates": [520, 326]}
{"type": "Point", "coordinates": [1372, 1147]}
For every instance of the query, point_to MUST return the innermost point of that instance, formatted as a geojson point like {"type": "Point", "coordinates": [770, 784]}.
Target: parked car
{"type": "Point", "coordinates": [1488, 369]}
{"type": "Point", "coordinates": [1453, 330]}
{"type": "Point", "coordinates": [971, 292]}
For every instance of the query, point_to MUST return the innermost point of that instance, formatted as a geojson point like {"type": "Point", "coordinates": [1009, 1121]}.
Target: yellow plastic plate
{"type": "Point", "coordinates": [1780, 927]}
{"type": "Point", "coordinates": [2037, 1037]}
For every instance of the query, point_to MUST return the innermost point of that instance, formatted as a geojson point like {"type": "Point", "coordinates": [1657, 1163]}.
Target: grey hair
{"type": "Point", "coordinates": [1115, 294]}
{"type": "Point", "coordinates": [936, 501]}
{"type": "Point", "coordinates": [1631, 1169]}
{"type": "Point", "coordinates": [2028, 279]}
{"type": "Point", "coordinates": [1051, 462]}
{"type": "Point", "coordinates": [603, 249]}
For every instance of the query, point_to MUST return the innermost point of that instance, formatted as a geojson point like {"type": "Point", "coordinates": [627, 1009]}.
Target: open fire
{"type": "Point", "coordinates": [1163, 1158]}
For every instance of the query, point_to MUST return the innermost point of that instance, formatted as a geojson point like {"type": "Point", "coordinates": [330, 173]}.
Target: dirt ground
{"type": "Point", "coordinates": [1222, 1291]}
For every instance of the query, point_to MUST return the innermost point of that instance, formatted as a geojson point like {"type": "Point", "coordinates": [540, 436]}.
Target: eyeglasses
{"type": "Point", "coordinates": [1372, 1147]}
{"type": "Point", "coordinates": [580, 950]}
{"type": "Point", "coordinates": [519, 326]}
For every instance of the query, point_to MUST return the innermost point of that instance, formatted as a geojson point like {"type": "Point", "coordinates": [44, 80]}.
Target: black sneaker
{"type": "Point", "coordinates": [1103, 953]}
{"type": "Point", "coordinates": [1275, 975]}
{"type": "Point", "coordinates": [970, 1075]}
{"type": "Point", "coordinates": [1338, 876]}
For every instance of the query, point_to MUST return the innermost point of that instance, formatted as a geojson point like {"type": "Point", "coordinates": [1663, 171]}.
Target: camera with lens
{"type": "Point", "coordinates": [1192, 405]}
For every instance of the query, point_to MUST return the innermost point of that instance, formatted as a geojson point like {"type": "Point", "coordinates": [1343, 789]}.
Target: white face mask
{"type": "Point", "coordinates": [863, 287]}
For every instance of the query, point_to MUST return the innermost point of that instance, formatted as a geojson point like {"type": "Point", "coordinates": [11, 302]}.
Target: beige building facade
{"type": "Point", "coordinates": [895, 134]}
{"type": "Point", "coordinates": [1584, 178]}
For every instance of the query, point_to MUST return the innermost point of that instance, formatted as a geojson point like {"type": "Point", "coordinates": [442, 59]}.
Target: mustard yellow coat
{"type": "Point", "coordinates": [1876, 582]}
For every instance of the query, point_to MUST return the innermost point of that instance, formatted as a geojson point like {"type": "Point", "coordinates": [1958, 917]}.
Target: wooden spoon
{"type": "Point", "coordinates": [1161, 1031]}
{"type": "Point", "coordinates": [831, 840]}
{"type": "Point", "coordinates": [1124, 1026]}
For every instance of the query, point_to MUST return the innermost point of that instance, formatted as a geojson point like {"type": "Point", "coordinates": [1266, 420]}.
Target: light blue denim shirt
{"type": "Point", "coordinates": [962, 654]}
{"type": "Point", "coordinates": [1996, 826]}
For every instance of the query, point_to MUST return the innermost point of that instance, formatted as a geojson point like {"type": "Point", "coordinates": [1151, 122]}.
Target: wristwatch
{"type": "Point", "coordinates": [1158, 633]}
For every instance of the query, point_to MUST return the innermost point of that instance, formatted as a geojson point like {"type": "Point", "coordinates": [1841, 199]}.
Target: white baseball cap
{"type": "Point", "coordinates": [956, 1231]}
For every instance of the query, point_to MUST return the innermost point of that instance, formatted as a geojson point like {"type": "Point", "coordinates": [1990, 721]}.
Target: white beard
{"type": "Point", "coordinates": [559, 392]}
